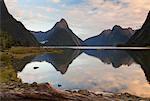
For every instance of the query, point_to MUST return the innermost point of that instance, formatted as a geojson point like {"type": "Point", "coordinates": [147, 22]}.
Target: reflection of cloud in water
{"type": "Point", "coordinates": [29, 74]}
{"type": "Point", "coordinates": [104, 77]}
{"type": "Point", "coordinates": [87, 72]}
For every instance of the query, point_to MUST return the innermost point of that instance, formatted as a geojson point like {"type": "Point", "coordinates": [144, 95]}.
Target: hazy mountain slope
{"type": "Point", "coordinates": [41, 36]}
{"type": "Point", "coordinates": [109, 37]}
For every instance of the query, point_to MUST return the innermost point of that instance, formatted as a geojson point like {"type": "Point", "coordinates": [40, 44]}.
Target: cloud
{"type": "Point", "coordinates": [85, 17]}
{"type": "Point", "coordinates": [97, 15]}
{"type": "Point", "coordinates": [55, 1]}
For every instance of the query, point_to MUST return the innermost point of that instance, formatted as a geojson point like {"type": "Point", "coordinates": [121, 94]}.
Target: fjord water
{"type": "Point", "coordinates": [99, 70]}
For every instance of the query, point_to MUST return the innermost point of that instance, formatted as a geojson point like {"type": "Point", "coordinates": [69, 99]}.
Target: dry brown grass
{"type": "Point", "coordinates": [20, 52]}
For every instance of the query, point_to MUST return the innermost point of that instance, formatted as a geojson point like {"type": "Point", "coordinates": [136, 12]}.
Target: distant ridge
{"type": "Point", "coordinates": [113, 37]}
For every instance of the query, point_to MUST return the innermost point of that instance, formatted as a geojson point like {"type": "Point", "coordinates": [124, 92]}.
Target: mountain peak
{"type": "Point", "coordinates": [116, 27]}
{"type": "Point", "coordinates": [62, 24]}
{"type": "Point", "coordinates": [147, 21]}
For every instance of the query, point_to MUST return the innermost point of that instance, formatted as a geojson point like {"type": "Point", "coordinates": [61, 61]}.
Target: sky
{"type": "Point", "coordinates": [86, 18]}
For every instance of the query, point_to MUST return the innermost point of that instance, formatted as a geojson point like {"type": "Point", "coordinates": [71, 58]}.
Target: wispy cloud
{"type": "Point", "coordinates": [85, 17]}
{"type": "Point", "coordinates": [55, 1]}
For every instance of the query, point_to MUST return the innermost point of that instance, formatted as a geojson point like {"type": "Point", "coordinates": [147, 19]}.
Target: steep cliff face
{"type": "Point", "coordinates": [112, 37]}
{"type": "Point", "coordinates": [19, 34]}
{"type": "Point", "coordinates": [62, 35]}
{"type": "Point", "coordinates": [142, 36]}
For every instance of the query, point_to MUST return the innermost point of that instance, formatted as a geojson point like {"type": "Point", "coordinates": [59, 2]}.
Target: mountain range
{"type": "Point", "coordinates": [117, 35]}
{"type": "Point", "coordinates": [13, 33]}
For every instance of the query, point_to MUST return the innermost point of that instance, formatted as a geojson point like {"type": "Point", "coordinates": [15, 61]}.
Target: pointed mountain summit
{"type": "Point", "coordinates": [113, 37]}
{"type": "Point", "coordinates": [142, 36]}
{"type": "Point", "coordinates": [62, 35]}
{"type": "Point", "coordinates": [62, 24]}
{"type": "Point", "coordinates": [14, 30]}
{"type": "Point", "coordinates": [59, 35]}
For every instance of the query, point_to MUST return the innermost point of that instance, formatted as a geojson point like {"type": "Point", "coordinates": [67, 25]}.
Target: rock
{"type": "Point", "coordinates": [99, 94]}
{"type": "Point", "coordinates": [34, 84]}
{"type": "Point", "coordinates": [25, 85]}
{"type": "Point", "coordinates": [35, 67]}
{"type": "Point", "coordinates": [84, 92]}
{"type": "Point", "coordinates": [59, 85]}
{"type": "Point", "coordinates": [42, 92]}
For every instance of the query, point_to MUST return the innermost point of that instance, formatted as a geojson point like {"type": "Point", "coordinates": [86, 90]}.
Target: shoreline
{"type": "Point", "coordinates": [16, 91]}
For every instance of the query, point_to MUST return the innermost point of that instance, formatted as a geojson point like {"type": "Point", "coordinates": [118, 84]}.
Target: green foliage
{"type": "Point", "coordinates": [5, 58]}
{"type": "Point", "coordinates": [8, 74]}
{"type": "Point", "coordinates": [6, 41]}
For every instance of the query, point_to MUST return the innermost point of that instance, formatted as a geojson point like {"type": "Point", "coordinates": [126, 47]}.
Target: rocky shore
{"type": "Point", "coordinates": [17, 91]}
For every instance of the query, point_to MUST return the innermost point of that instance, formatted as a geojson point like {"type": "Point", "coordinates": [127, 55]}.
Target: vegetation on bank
{"type": "Point", "coordinates": [8, 74]}
{"type": "Point", "coordinates": [7, 57]}
{"type": "Point", "coordinates": [6, 41]}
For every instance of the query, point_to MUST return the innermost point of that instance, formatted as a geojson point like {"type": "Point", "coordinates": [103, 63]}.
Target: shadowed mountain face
{"type": "Point", "coordinates": [15, 29]}
{"type": "Point", "coordinates": [109, 37]}
{"type": "Point", "coordinates": [62, 61]}
{"type": "Point", "coordinates": [142, 36]}
{"type": "Point", "coordinates": [62, 35]}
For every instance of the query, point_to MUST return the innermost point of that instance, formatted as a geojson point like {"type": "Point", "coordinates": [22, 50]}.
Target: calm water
{"type": "Point", "coordinates": [93, 69]}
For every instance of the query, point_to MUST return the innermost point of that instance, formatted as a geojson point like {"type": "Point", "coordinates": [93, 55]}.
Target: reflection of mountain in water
{"type": "Point", "coordinates": [120, 57]}
{"type": "Point", "coordinates": [62, 61]}
{"type": "Point", "coordinates": [114, 57]}
{"type": "Point", "coordinates": [19, 64]}
{"type": "Point", "coordinates": [142, 58]}
{"type": "Point", "coordinates": [117, 58]}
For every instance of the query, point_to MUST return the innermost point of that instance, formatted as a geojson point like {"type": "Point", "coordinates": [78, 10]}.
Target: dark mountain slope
{"type": "Point", "coordinates": [15, 29]}
{"type": "Point", "coordinates": [62, 35]}
{"type": "Point", "coordinates": [142, 36]}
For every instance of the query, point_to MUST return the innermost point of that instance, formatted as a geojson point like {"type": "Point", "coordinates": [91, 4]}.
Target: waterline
{"type": "Point", "coordinates": [99, 47]}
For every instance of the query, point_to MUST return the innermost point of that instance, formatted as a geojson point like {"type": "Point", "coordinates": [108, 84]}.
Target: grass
{"type": "Point", "coordinates": [20, 52]}
{"type": "Point", "coordinates": [25, 50]}
{"type": "Point", "coordinates": [8, 74]}
{"type": "Point", "coordinates": [5, 58]}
